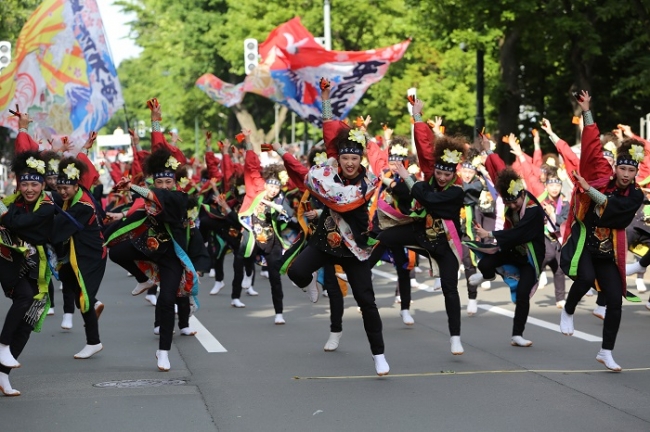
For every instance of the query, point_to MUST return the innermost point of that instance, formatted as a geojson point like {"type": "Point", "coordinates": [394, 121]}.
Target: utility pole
{"type": "Point", "coordinates": [327, 30]}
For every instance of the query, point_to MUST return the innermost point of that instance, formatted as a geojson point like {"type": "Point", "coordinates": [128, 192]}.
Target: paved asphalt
{"type": "Point", "coordinates": [278, 378]}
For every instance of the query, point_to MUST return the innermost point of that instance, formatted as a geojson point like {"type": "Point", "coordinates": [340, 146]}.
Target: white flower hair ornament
{"type": "Point", "coordinates": [183, 182]}
{"type": "Point", "coordinates": [610, 147]}
{"type": "Point", "coordinates": [357, 135]}
{"type": "Point", "coordinates": [550, 162]}
{"type": "Point", "coordinates": [71, 172]}
{"type": "Point", "coordinates": [451, 156]}
{"type": "Point", "coordinates": [36, 164]}
{"type": "Point", "coordinates": [399, 150]}
{"type": "Point", "coordinates": [477, 161]}
{"type": "Point", "coordinates": [414, 169]}
{"type": "Point", "coordinates": [516, 186]}
{"type": "Point", "coordinates": [53, 164]}
{"type": "Point", "coordinates": [637, 152]}
{"type": "Point", "coordinates": [284, 177]}
{"type": "Point", "coordinates": [320, 158]}
{"type": "Point", "coordinates": [172, 163]}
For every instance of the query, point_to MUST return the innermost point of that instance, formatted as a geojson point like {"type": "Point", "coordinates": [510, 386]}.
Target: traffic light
{"type": "Point", "coordinates": [251, 56]}
{"type": "Point", "coordinates": [5, 54]}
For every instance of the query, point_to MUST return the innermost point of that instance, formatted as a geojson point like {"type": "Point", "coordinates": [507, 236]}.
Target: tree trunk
{"type": "Point", "coordinates": [582, 81]}
{"type": "Point", "coordinates": [510, 97]}
{"type": "Point", "coordinates": [282, 116]}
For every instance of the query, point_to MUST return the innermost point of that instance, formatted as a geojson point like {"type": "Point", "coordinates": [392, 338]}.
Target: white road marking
{"type": "Point", "coordinates": [389, 276]}
{"type": "Point", "coordinates": [209, 342]}
{"type": "Point", "coordinates": [540, 323]}
{"type": "Point", "coordinates": [385, 275]}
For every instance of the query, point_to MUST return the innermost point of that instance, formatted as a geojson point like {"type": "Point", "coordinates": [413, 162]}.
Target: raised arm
{"type": "Point", "coordinates": [593, 165]}
{"type": "Point", "coordinates": [158, 140]}
{"type": "Point", "coordinates": [377, 157]}
{"type": "Point", "coordinates": [24, 141]}
{"type": "Point", "coordinates": [571, 160]}
{"type": "Point", "coordinates": [295, 169]}
{"type": "Point", "coordinates": [424, 141]}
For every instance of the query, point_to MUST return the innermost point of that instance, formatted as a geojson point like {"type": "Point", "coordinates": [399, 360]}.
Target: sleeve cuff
{"type": "Point", "coordinates": [417, 117]}
{"type": "Point", "coordinates": [327, 110]}
{"type": "Point", "coordinates": [142, 191]}
{"type": "Point", "coordinates": [588, 118]}
{"type": "Point", "coordinates": [155, 126]}
{"type": "Point", "coordinates": [596, 196]}
{"type": "Point", "coordinates": [410, 181]}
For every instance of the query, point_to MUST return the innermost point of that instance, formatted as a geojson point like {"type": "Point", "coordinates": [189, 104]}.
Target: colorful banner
{"type": "Point", "coordinates": [292, 65]}
{"type": "Point", "coordinates": [63, 73]}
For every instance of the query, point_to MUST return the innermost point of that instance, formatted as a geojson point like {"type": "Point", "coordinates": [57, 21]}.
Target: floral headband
{"type": "Point", "coordinates": [514, 190]}
{"type": "Point", "coordinates": [358, 136]}
{"type": "Point", "coordinates": [635, 156]}
{"type": "Point", "coordinates": [71, 177]}
{"type": "Point", "coordinates": [36, 164]}
{"type": "Point", "coordinates": [52, 167]}
{"type": "Point", "coordinates": [172, 163]}
{"type": "Point", "coordinates": [449, 160]}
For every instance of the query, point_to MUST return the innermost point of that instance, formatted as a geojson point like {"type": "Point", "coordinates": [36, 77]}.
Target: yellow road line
{"type": "Point", "coordinates": [488, 372]}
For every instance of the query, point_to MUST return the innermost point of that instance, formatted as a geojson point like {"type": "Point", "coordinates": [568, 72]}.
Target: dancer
{"type": "Point", "coordinates": [394, 207]}
{"type": "Point", "coordinates": [473, 187]}
{"type": "Point", "coordinates": [160, 244]}
{"type": "Point", "coordinates": [519, 244]}
{"type": "Point", "coordinates": [264, 214]}
{"type": "Point", "coordinates": [340, 236]}
{"type": "Point", "coordinates": [308, 212]}
{"type": "Point", "coordinates": [24, 273]}
{"type": "Point", "coordinates": [557, 211]}
{"type": "Point", "coordinates": [78, 241]}
{"type": "Point", "coordinates": [601, 209]}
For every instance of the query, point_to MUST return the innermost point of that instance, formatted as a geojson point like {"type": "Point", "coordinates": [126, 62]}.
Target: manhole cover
{"type": "Point", "coordinates": [140, 383]}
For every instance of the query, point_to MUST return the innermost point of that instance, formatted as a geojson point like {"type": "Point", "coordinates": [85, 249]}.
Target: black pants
{"type": "Point", "coordinates": [401, 262]}
{"type": "Point", "coordinates": [552, 259]}
{"type": "Point", "coordinates": [71, 289]}
{"type": "Point", "coordinates": [16, 331]}
{"type": "Point", "coordinates": [273, 260]}
{"type": "Point", "coordinates": [229, 242]}
{"type": "Point", "coordinates": [440, 251]}
{"type": "Point", "coordinates": [331, 284]}
{"type": "Point", "coordinates": [50, 291]}
{"type": "Point", "coordinates": [470, 269]}
{"type": "Point", "coordinates": [488, 223]}
{"type": "Point", "coordinates": [605, 271]}
{"type": "Point", "coordinates": [359, 278]}
{"type": "Point", "coordinates": [645, 260]}
{"type": "Point", "coordinates": [527, 279]}
{"type": "Point", "coordinates": [170, 272]}
{"type": "Point", "coordinates": [183, 304]}
{"type": "Point", "coordinates": [122, 255]}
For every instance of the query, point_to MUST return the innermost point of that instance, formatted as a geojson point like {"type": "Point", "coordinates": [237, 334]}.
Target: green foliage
{"type": "Point", "coordinates": [536, 53]}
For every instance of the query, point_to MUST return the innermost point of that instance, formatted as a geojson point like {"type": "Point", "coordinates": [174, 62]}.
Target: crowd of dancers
{"type": "Point", "coordinates": [325, 223]}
